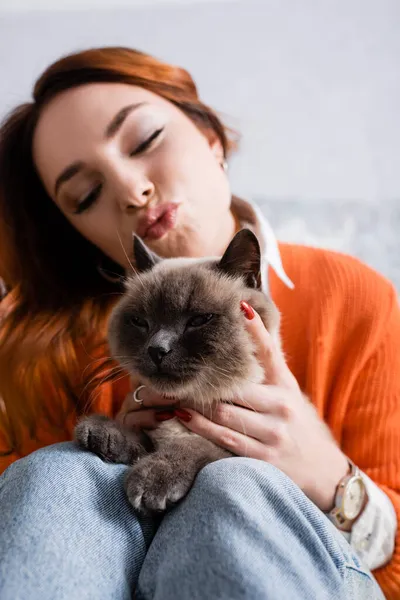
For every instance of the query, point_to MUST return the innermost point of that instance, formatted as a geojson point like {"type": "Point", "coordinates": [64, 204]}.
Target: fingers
{"type": "Point", "coordinates": [145, 419]}
{"type": "Point", "coordinates": [267, 429]}
{"type": "Point", "coordinates": [261, 398]}
{"type": "Point", "coordinates": [266, 350]}
{"type": "Point", "coordinates": [149, 398]}
{"type": "Point", "coordinates": [268, 353]}
{"type": "Point", "coordinates": [144, 415]}
{"type": "Point", "coordinates": [227, 438]}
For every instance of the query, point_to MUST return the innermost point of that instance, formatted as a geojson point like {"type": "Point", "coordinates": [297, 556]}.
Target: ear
{"type": "Point", "coordinates": [242, 258]}
{"type": "Point", "coordinates": [145, 259]}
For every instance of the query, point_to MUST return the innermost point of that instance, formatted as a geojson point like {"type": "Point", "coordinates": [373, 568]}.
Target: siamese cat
{"type": "Point", "coordinates": [180, 330]}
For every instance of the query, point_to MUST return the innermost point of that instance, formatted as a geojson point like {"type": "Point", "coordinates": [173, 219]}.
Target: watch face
{"type": "Point", "coordinates": [353, 498]}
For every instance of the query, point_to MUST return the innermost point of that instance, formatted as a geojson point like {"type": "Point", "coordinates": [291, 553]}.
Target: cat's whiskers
{"type": "Point", "coordinates": [105, 359]}
{"type": "Point", "coordinates": [248, 405]}
{"type": "Point", "coordinates": [222, 375]}
{"type": "Point", "coordinates": [97, 391]}
{"type": "Point", "coordinates": [222, 370]}
{"type": "Point", "coordinates": [213, 367]}
{"type": "Point", "coordinates": [102, 378]}
{"type": "Point", "coordinates": [110, 374]}
{"type": "Point", "coordinates": [134, 270]}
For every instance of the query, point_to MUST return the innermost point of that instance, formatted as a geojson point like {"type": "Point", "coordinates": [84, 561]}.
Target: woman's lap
{"type": "Point", "coordinates": [248, 532]}
{"type": "Point", "coordinates": [244, 531]}
{"type": "Point", "coordinates": [69, 529]}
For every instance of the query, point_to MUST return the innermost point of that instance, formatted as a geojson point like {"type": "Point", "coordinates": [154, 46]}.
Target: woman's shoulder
{"type": "Point", "coordinates": [329, 282]}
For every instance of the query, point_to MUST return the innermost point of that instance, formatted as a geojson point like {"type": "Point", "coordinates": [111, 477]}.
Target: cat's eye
{"type": "Point", "coordinates": [138, 321]}
{"type": "Point", "coordinates": [199, 320]}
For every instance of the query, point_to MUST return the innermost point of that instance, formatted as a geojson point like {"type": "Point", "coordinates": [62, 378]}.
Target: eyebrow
{"type": "Point", "coordinates": [111, 129]}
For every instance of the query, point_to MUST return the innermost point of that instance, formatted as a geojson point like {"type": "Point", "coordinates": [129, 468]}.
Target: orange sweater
{"type": "Point", "coordinates": [341, 337]}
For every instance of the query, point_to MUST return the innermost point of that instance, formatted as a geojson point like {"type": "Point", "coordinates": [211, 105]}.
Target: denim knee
{"type": "Point", "coordinates": [244, 486]}
{"type": "Point", "coordinates": [230, 477]}
{"type": "Point", "coordinates": [68, 530]}
{"type": "Point", "coordinates": [56, 471]}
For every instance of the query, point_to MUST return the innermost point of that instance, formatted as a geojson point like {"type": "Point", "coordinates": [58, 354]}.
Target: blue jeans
{"type": "Point", "coordinates": [244, 531]}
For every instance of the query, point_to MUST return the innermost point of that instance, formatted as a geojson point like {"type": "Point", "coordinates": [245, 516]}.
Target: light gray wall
{"type": "Point", "coordinates": [313, 85]}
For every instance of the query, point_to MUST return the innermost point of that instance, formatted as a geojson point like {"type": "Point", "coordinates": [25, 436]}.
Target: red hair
{"type": "Point", "coordinates": [57, 302]}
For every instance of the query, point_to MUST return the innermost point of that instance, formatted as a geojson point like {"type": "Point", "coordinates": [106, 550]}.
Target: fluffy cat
{"type": "Point", "coordinates": [179, 328]}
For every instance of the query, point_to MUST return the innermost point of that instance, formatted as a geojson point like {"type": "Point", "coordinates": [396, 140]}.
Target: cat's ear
{"type": "Point", "coordinates": [145, 259]}
{"type": "Point", "coordinates": [243, 258]}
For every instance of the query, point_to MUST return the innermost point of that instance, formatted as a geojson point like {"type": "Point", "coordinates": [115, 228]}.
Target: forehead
{"type": "Point", "coordinates": [73, 122]}
{"type": "Point", "coordinates": [185, 290]}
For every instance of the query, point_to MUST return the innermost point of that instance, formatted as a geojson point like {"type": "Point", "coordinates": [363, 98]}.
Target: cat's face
{"type": "Point", "coordinates": [179, 326]}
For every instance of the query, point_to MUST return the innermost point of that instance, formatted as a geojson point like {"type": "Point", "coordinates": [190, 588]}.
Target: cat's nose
{"type": "Point", "coordinates": [157, 354]}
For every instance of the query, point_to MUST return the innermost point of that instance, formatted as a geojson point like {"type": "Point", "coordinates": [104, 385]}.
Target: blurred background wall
{"type": "Point", "coordinates": [312, 85]}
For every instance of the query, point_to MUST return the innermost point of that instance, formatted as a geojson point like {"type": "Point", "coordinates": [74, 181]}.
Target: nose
{"type": "Point", "coordinates": [133, 189]}
{"type": "Point", "coordinates": [157, 354]}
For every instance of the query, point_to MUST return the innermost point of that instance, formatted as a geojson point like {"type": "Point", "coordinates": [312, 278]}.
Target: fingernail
{"type": "Point", "coordinates": [247, 309]}
{"type": "Point", "coordinates": [164, 415]}
{"type": "Point", "coordinates": [183, 414]}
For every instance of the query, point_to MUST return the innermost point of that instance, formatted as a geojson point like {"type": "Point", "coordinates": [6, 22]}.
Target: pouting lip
{"type": "Point", "coordinates": [151, 216]}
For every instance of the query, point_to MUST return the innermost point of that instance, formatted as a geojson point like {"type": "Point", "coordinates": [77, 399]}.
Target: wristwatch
{"type": "Point", "coordinates": [350, 499]}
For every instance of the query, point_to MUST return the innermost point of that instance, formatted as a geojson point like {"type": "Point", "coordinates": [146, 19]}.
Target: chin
{"type": "Point", "coordinates": [175, 386]}
{"type": "Point", "coordinates": [182, 240]}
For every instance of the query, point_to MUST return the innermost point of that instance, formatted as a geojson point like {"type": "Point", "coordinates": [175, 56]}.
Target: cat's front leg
{"type": "Point", "coordinates": [110, 440]}
{"type": "Point", "coordinates": [161, 479]}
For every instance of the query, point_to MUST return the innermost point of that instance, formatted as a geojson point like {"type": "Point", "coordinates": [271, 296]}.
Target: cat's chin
{"type": "Point", "coordinates": [175, 388]}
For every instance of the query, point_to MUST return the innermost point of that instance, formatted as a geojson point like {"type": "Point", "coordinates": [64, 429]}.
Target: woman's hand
{"type": "Point", "coordinates": [275, 422]}
{"type": "Point", "coordinates": [149, 413]}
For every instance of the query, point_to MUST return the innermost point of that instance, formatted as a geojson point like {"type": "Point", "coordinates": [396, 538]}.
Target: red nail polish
{"type": "Point", "coordinates": [164, 415]}
{"type": "Point", "coordinates": [183, 414]}
{"type": "Point", "coordinates": [247, 309]}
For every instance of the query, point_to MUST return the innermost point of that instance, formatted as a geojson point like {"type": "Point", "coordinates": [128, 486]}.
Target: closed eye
{"type": "Point", "coordinates": [89, 199]}
{"type": "Point", "coordinates": [147, 143]}
{"type": "Point", "coordinates": [199, 320]}
{"type": "Point", "coordinates": [138, 322]}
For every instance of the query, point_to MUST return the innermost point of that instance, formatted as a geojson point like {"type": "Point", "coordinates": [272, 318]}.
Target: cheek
{"type": "Point", "coordinates": [126, 341]}
{"type": "Point", "coordinates": [218, 343]}
{"type": "Point", "coordinates": [194, 168]}
{"type": "Point", "coordinates": [97, 227]}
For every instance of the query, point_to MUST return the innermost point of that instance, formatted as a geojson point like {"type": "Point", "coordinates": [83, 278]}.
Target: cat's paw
{"type": "Point", "coordinates": [155, 483]}
{"type": "Point", "coordinates": [106, 438]}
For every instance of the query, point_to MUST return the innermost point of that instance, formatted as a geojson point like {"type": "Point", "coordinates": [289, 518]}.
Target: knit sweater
{"type": "Point", "coordinates": [341, 337]}
{"type": "Point", "coordinates": [340, 329]}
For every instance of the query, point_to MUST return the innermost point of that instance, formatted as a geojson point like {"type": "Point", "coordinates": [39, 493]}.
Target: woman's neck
{"type": "Point", "coordinates": [231, 226]}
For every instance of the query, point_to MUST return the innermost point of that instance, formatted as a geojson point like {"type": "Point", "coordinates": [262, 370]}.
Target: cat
{"type": "Point", "coordinates": [180, 329]}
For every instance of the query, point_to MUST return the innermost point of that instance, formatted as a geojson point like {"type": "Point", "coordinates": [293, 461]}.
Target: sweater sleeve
{"type": "Point", "coordinates": [371, 438]}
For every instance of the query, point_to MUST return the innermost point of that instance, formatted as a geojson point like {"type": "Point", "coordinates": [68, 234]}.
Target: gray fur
{"type": "Point", "coordinates": [201, 365]}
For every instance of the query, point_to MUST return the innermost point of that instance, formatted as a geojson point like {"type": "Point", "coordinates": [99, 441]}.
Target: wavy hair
{"type": "Point", "coordinates": [53, 317]}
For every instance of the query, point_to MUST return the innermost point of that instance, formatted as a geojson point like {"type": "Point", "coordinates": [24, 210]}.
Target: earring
{"type": "Point", "coordinates": [224, 166]}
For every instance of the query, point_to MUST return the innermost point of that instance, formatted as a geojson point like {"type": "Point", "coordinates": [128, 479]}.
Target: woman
{"type": "Point", "coordinates": [114, 142]}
